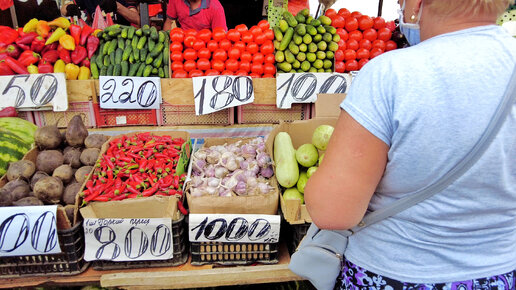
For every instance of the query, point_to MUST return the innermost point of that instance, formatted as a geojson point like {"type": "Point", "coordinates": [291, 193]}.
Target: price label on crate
{"type": "Point", "coordinates": [304, 87]}
{"type": "Point", "coordinates": [139, 239]}
{"type": "Point", "coordinates": [129, 92]}
{"type": "Point", "coordinates": [215, 93]}
{"type": "Point", "coordinates": [28, 230]}
{"type": "Point", "coordinates": [34, 91]}
{"type": "Point", "coordinates": [234, 228]}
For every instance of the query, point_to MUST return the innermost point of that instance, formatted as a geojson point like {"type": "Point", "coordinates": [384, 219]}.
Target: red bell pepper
{"type": "Point", "coordinates": [8, 112]}
{"type": "Point", "coordinates": [3, 55]}
{"type": "Point", "coordinates": [45, 67]}
{"type": "Point", "coordinates": [27, 38]}
{"type": "Point", "coordinates": [52, 46]}
{"type": "Point", "coordinates": [7, 35]}
{"type": "Point", "coordinates": [86, 31]}
{"type": "Point", "coordinates": [5, 70]}
{"type": "Point", "coordinates": [16, 66]}
{"type": "Point", "coordinates": [38, 44]}
{"type": "Point", "coordinates": [92, 45]}
{"type": "Point", "coordinates": [13, 50]}
{"type": "Point", "coordinates": [79, 54]}
{"type": "Point", "coordinates": [86, 62]}
{"type": "Point", "coordinates": [50, 56]}
{"type": "Point", "coordinates": [65, 55]}
{"type": "Point", "coordinates": [28, 57]}
{"type": "Point", "coordinates": [24, 46]}
{"type": "Point", "coordinates": [75, 32]}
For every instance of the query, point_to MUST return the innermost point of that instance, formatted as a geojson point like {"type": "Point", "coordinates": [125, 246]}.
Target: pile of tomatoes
{"type": "Point", "coordinates": [240, 51]}
{"type": "Point", "coordinates": [361, 38]}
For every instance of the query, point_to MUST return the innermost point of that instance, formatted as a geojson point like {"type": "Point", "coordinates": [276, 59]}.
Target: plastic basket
{"type": "Point", "coordinates": [265, 114]}
{"type": "Point", "coordinates": [69, 262]}
{"type": "Point", "coordinates": [296, 234]}
{"type": "Point", "coordinates": [185, 115]}
{"type": "Point", "coordinates": [85, 109]}
{"type": "Point", "coordinates": [180, 256]}
{"type": "Point", "coordinates": [233, 253]}
{"type": "Point", "coordinates": [113, 117]}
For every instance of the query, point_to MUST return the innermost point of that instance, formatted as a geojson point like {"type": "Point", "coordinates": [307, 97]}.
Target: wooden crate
{"type": "Point", "coordinates": [265, 114]}
{"type": "Point", "coordinates": [85, 109]}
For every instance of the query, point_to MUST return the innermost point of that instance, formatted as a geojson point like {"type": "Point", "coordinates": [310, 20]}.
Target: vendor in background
{"type": "Point", "coordinates": [124, 11]}
{"type": "Point", "coordinates": [195, 14]}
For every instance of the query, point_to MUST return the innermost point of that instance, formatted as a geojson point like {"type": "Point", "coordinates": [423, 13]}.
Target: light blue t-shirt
{"type": "Point", "coordinates": [430, 103]}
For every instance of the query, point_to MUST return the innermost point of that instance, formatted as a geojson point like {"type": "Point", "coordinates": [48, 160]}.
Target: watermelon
{"type": "Point", "coordinates": [12, 148]}
{"type": "Point", "coordinates": [23, 129]}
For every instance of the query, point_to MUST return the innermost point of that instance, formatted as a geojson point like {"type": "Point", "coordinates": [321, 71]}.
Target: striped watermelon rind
{"type": "Point", "coordinates": [20, 127]}
{"type": "Point", "coordinates": [12, 148]}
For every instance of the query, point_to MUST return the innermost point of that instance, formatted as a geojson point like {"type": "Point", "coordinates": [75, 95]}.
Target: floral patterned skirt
{"type": "Point", "coordinates": [355, 277]}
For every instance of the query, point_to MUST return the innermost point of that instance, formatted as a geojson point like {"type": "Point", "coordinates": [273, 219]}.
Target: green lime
{"type": "Point", "coordinates": [327, 37]}
{"type": "Point", "coordinates": [322, 46]}
{"type": "Point", "coordinates": [307, 39]}
{"type": "Point", "coordinates": [305, 65]}
{"type": "Point", "coordinates": [320, 70]}
{"type": "Point", "coordinates": [329, 70]}
{"type": "Point", "coordinates": [312, 69]}
{"type": "Point", "coordinates": [327, 63]}
{"type": "Point", "coordinates": [317, 37]}
{"type": "Point", "coordinates": [321, 29]}
{"type": "Point", "coordinates": [311, 57]}
{"type": "Point", "coordinates": [325, 20]}
{"type": "Point", "coordinates": [296, 64]}
{"type": "Point", "coordinates": [303, 47]}
{"type": "Point", "coordinates": [318, 64]}
{"type": "Point", "coordinates": [301, 56]}
{"type": "Point", "coordinates": [312, 47]}
{"type": "Point", "coordinates": [330, 54]}
{"type": "Point", "coordinates": [330, 29]}
{"type": "Point", "coordinates": [336, 37]}
{"type": "Point", "coordinates": [320, 54]}
{"type": "Point", "coordinates": [333, 46]}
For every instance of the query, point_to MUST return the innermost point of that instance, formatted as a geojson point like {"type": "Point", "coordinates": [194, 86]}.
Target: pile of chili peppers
{"type": "Point", "coordinates": [138, 166]}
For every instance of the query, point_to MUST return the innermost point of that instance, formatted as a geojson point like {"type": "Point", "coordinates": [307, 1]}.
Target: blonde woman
{"type": "Point", "coordinates": [411, 115]}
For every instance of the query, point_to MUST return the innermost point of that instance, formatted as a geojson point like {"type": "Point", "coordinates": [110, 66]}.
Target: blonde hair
{"type": "Point", "coordinates": [468, 7]}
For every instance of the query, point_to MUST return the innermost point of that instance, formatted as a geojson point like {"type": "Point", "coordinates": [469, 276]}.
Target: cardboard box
{"type": "Point", "coordinates": [328, 110]}
{"type": "Point", "coordinates": [249, 204]}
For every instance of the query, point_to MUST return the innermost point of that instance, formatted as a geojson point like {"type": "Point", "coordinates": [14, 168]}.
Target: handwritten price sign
{"type": "Point", "coordinates": [129, 92]}
{"type": "Point", "coordinates": [29, 230]}
{"type": "Point", "coordinates": [128, 239]}
{"type": "Point", "coordinates": [304, 87]}
{"type": "Point", "coordinates": [215, 93]}
{"type": "Point", "coordinates": [234, 228]}
{"type": "Point", "coordinates": [34, 91]}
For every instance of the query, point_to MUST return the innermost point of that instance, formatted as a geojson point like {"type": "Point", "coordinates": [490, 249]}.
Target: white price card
{"type": "Point", "coordinates": [28, 230]}
{"type": "Point", "coordinates": [215, 93]}
{"type": "Point", "coordinates": [138, 239]}
{"type": "Point", "coordinates": [34, 91]}
{"type": "Point", "coordinates": [129, 92]}
{"type": "Point", "coordinates": [234, 228]}
{"type": "Point", "coordinates": [304, 87]}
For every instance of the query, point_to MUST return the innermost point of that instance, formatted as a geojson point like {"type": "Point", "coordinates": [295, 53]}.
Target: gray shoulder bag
{"type": "Point", "coordinates": [319, 257]}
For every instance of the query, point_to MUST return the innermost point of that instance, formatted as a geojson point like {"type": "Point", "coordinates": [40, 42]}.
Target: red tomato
{"type": "Point", "coordinates": [375, 51]}
{"type": "Point", "coordinates": [190, 65]}
{"type": "Point", "coordinates": [338, 21]}
{"type": "Point", "coordinates": [240, 45]}
{"type": "Point", "coordinates": [269, 58]}
{"type": "Point", "coordinates": [356, 35]}
{"type": "Point", "coordinates": [260, 38]}
{"type": "Point", "coordinates": [179, 74]}
{"type": "Point", "coordinates": [195, 73]}
{"type": "Point", "coordinates": [330, 12]}
{"type": "Point", "coordinates": [177, 34]}
{"type": "Point", "coordinates": [258, 58]}
{"type": "Point", "coordinates": [246, 56]}
{"type": "Point", "coordinates": [257, 68]}
{"type": "Point", "coordinates": [189, 40]}
{"type": "Point", "coordinates": [384, 34]}
{"type": "Point", "coordinates": [264, 25]}
{"type": "Point", "coordinates": [198, 44]}
{"type": "Point", "coordinates": [191, 31]}
{"type": "Point", "coordinates": [245, 66]}
{"type": "Point", "coordinates": [212, 45]}
{"type": "Point", "coordinates": [356, 14]}
{"type": "Point", "coordinates": [211, 72]}
{"type": "Point", "coordinates": [268, 75]}
{"type": "Point", "coordinates": [225, 44]}
{"type": "Point", "coordinates": [241, 73]}
{"type": "Point", "coordinates": [269, 69]}
{"type": "Point", "coordinates": [379, 44]}
{"type": "Point", "coordinates": [176, 46]}
{"type": "Point", "coordinates": [190, 54]}
{"type": "Point", "coordinates": [362, 53]}
{"type": "Point", "coordinates": [362, 62]}
{"type": "Point", "coordinates": [227, 73]}
{"type": "Point", "coordinates": [341, 44]}
{"type": "Point", "coordinates": [255, 31]}
{"type": "Point", "coordinates": [203, 64]}
{"type": "Point", "coordinates": [234, 53]}
{"type": "Point", "coordinates": [339, 55]}
{"type": "Point", "coordinates": [379, 23]}
{"type": "Point", "coordinates": [269, 34]}
{"type": "Point", "coordinates": [247, 37]}
{"type": "Point", "coordinates": [204, 53]}
{"type": "Point", "coordinates": [351, 65]}
{"type": "Point", "coordinates": [365, 43]}
{"type": "Point", "coordinates": [352, 44]}
{"type": "Point", "coordinates": [255, 75]}
{"type": "Point", "coordinates": [252, 47]}
{"type": "Point", "coordinates": [241, 28]}
{"type": "Point", "coordinates": [176, 66]}
{"type": "Point", "coordinates": [370, 34]}
{"type": "Point", "coordinates": [232, 64]}
{"type": "Point", "coordinates": [204, 35]}
{"type": "Point", "coordinates": [218, 65]}
{"type": "Point", "coordinates": [220, 54]}
{"type": "Point", "coordinates": [233, 35]}
{"type": "Point", "coordinates": [351, 24]}
{"type": "Point", "coordinates": [390, 45]}
{"type": "Point", "coordinates": [267, 47]}
{"type": "Point", "coordinates": [342, 33]}
{"type": "Point", "coordinates": [340, 66]}
{"type": "Point", "coordinates": [391, 26]}
{"type": "Point", "coordinates": [218, 34]}
{"type": "Point", "coordinates": [344, 12]}
{"type": "Point", "coordinates": [176, 56]}
{"type": "Point", "coordinates": [349, 54]}
{"type": "Point", "coordinates": [365, 22]}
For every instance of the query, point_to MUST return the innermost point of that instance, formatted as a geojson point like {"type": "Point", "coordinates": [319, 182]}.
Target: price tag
{"type": "Point", "coordinates": [234, 228]}
{"type": "Point", "coordinates": [28, 230]}
{"type": "Point", "coordinates": [129, 92]}
{"type": "Point", "coordinates": [304, 87]}
{"type": "Point", "coordinates": [128, 239]}
{"type": "Point", "coordinates": [34, 91]}
{"type": "Point", "coordinates": [215, 93]}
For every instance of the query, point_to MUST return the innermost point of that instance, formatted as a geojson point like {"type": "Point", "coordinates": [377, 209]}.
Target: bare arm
{"type": "Point", "coordinates": [169, 24]}
{"type": "Point", "coordinates": [338, 193]}
{"type": "Point", "coordinates": [130, 14]}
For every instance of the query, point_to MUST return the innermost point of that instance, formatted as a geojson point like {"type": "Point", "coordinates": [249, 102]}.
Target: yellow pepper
{"type": "Point", "coordinates": [84, 73]}
{"type": "Point", "coordinates": [59, 66]}
{"type": "Point", "coordinates": [71, 71]}
{"type": "Point", "coordinates": [42, 28]}
{"type": "Point", "coordinates": [32, 69]}
{"type": "Point", "coordinates": [96, 31]}
{"type": "Point", "coordinates": [55, 36]}
{"type": "Point", "coordinates": [67, 42]}
{"type": "Point", "coordinates": [60, 22]}
{"type": "Point", "coordinates": [30, 26]}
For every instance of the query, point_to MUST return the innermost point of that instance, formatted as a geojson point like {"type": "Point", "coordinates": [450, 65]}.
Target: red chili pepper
{"type": "Point", "coordinates": [176, 182]}
{"type": "Point", "coordinates": [50, 56]}
{"type": "Point", "coordinates": [5, 70]}
{"type": "Point", "coordinates": [85, 33]}
{"type": "Point", "coordinates": [132, 155]}
{"type": "Point", "coordinates": [79, 54]}
{"type": "Point", "coordinates": [38, 44]}
{"type": "Point", "coordinates": [27, 38]}
{"type": "Point", "coordinates": [121, 197]}
{"type": "Point", "coordinates": [133, 195]}
{"type": "Point", "coordinates": [108, 162]}
{"type": "Point", "coordinates": [92, 196]}
{"type": "Point", "coordinates": [75, 32]}
{"type": "Point", "coordinates": [148, 154]}
{"type": "Point", "coordinates": [52, 46]}
{"type": "Point", "coordinates": [45, 67]}
{"type": "Point", "coordinates": [110, 174]}
{"type": "Point", "coordinates": [16, 66]}
{"type": "Point", "coordinates": [181, 208]}
{"type": "Point", "coordinates": [150, 191]}
{"type": "Point", "coordinates": [160, 155]}
{"type": "Point", "coordinates": [102, 198]}
{"type": "Point", "coordinates": [24, 46]}
{"type": "Point", "coordinates": [133, 190]}
{"type": "Point", "coordinates": [8, 112]}
{"type": "Point", "coordinates": [92, 45]}
{"type": "Point", "coordinates": [125, 159]}
{"type": "Point", "coordinates": [65, 55]}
